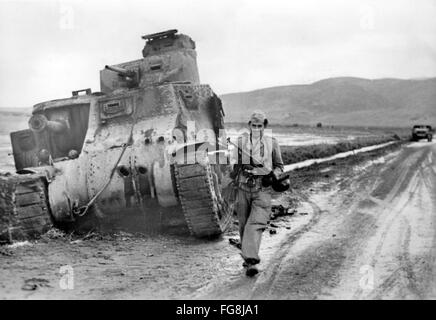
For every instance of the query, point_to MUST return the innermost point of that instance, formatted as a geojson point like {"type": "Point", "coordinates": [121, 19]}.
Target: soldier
{"type": "Point", "coordinates": [258, 157]}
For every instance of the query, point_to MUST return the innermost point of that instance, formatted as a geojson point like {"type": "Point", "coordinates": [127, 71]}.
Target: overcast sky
{"type": "Point", "coordinates": [49, 48]}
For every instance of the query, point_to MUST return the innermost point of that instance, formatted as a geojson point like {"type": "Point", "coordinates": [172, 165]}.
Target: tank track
{"type": "Point", "coordinates": [24, 211]}
{"type": "Point", "coordinates": [206, 212]}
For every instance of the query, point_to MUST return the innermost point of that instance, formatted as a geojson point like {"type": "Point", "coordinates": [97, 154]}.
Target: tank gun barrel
{"type": "Point", "coordinates": [39, 123]}
{"type": "Point", "coordinates": [121, 71]}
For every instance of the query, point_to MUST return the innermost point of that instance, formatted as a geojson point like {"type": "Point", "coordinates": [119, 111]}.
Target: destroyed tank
{"type": "Point", "coordinates": [148, 140]}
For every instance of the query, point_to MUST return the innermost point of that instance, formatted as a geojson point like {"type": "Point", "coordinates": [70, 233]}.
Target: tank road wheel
{"type": "Point", "coordinates": [206, 212]}
{"type": "Point", "coordinates": [24, 212]}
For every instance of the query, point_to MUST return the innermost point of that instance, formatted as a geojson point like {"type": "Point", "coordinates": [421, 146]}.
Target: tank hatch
{"type": "Point", "coordinates": [160, 35]}
{"type": "Point", "coordinates": [157, 43]}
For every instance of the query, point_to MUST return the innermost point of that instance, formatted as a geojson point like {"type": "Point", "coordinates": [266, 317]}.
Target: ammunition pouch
{"type": "Point", "coordinates": [251, 178]}
{"type": "Point", "coordinates": [267, 180]}
{"type": "Point", "coordinates": [279, 185]}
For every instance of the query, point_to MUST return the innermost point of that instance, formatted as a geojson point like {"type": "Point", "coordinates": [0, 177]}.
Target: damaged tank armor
{"type": "Point", "coordinates": [117, 151]}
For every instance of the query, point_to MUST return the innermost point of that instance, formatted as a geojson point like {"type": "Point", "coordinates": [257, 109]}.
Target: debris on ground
{"type": "Point", "coordinates": [29, 286]}
{"type": "Point", "coordinates": [19, 244]}
{"type": "Point", "coordinates": [235, 242]}
{"type": "Point", "coordinates": [280, 211]}
{"type": "Point", "coordinates": [73, 238]}
{"type": "Point", "coordinates": [35, 283]}
{"type": "Point", "coordinates": [272, 231]}
{"type": "Point", "coordinates": [123, 236]}
{"type": "Point", "coordinates": [5, 251]}
{"type": "Point", "coordinates": [303, 213]}
{"type": "Point", "coordinates": [53, 234]}
{"type": "Point", "coordinates": [91, 235]}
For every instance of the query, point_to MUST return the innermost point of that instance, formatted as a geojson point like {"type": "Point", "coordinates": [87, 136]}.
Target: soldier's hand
{"type": "Point", "coordinates": [247, 167]}
{"type": "Point", "coordinates": [276, 173]}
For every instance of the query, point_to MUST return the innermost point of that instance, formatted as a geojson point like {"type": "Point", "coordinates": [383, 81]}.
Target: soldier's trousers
{"type": "Point", "coordinates": [253, 209]}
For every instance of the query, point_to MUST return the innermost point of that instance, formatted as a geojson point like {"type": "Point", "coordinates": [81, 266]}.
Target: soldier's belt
{"type": "Point", "coordinates": [251, 182]}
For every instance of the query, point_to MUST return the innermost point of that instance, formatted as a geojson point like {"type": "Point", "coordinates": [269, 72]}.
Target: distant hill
{"type": "Point", "coordinates": [12, 119]}
{"type": "Point", "coordinates": [340, 101]}
{"type": "Point", "coordinates": [15, 111]}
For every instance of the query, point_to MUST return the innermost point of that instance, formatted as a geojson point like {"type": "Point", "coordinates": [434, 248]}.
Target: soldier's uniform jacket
{"type": "Point", "coordinates": [264, 152]}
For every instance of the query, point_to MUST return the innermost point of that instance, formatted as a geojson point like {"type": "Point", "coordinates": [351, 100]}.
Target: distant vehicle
{"type": "Point", "coordinates": [422, 132]}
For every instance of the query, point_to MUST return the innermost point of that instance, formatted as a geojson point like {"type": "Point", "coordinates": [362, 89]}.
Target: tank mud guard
{"type": "Point", "coordinates": [24, 211]}
{"type": "Point", "coordinates": [206, 213]}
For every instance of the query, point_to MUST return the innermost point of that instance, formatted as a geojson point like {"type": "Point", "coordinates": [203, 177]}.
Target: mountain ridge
{"type": "Point", "coordinates": [340, 101]}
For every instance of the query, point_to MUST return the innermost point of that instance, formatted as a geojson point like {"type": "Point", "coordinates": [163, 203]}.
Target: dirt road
{"type": "Point", "coordinates": [365, 228]}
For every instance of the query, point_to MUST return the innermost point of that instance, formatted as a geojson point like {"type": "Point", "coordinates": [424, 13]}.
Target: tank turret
{"type": "Point", "coordinates": [167, 57]}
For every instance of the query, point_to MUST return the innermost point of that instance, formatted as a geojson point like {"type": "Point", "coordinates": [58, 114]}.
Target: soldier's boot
{"type": "Point", "coordinates": [250, 266]}
{"type": "Point", "coordinates": [251, 270]}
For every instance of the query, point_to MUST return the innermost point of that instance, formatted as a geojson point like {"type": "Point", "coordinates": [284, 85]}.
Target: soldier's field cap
{"type": "Point", "coordinates": [257, 116]}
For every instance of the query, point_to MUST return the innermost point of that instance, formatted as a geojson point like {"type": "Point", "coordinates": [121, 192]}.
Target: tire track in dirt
{"type": "Point", "coordinates": [406, 264]}
{"type": "Point", "coordinates": [390, 211]}
{"type": "Point", "coordinates": [404, 270]}
{"type": "Point", "coordinates": [428, 177]}
{"type": "Point", "coordinates": [397, 205]}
